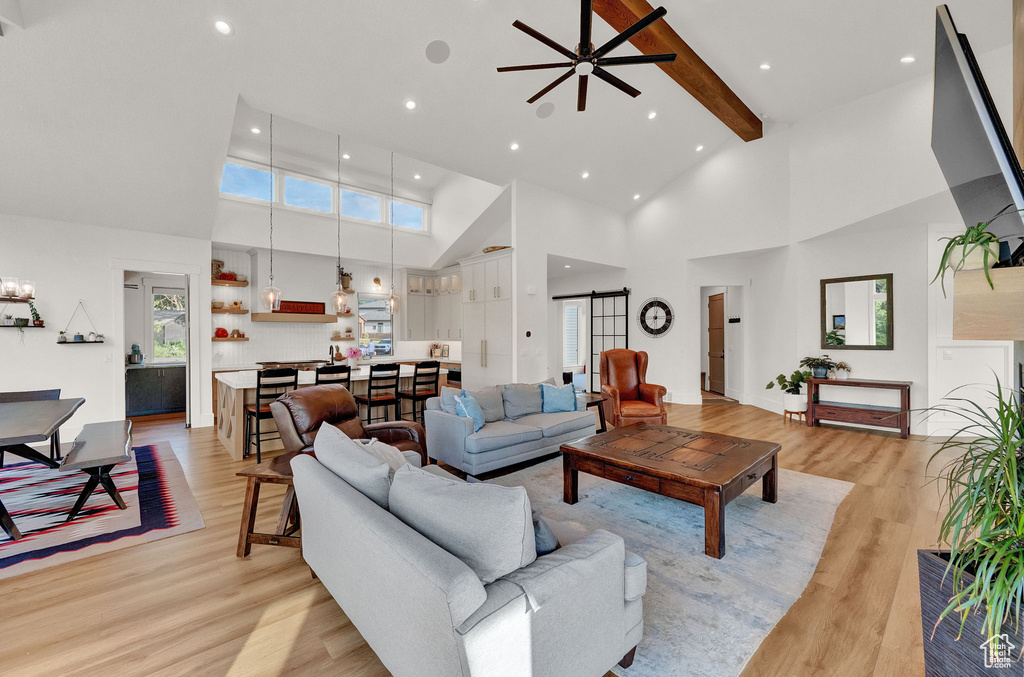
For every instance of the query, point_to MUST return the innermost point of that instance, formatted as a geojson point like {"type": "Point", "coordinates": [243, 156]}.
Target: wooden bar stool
{"type": "Point", "coordinates": [381, 391]}
{"type": "Point", "coordinates": [340, 374]}
{"type": "Point", "coordinates": [277, 471]}
{"type": "Point", "coordinates": [270, 384]}
{"type": "Point", "coordinates": [424, 386]}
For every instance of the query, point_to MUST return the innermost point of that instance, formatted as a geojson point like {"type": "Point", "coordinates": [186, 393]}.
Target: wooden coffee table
{"type": "Point", "coordinates": [706, 469]}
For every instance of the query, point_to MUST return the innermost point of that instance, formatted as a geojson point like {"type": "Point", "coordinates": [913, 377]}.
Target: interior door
{"type": "Point", "coordinates": [716, 344]}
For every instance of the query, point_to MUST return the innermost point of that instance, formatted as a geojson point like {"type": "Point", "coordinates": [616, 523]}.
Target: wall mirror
{"type": "Point", "coordinates": [856, 313]}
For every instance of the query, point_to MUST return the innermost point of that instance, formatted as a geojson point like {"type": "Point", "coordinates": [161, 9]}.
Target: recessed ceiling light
{"type": "Point", "coordinates": [908, 59]}
{"type": "Point", "coordinates": [637, 196]}
{"type": "Point", "coordinates": [652, 115]}
{"type": "Point", "coordinates": [568, 266]}
{"type": "Point", "coordinates": [764, 116]}
{"type": "Point", "coordinates": [700, 148]}
{"type": "Point", "coordinates": [223, 27]}
{"type": "Point", "coordinates": [255, 130]}
{"type": "Point", "coordinates": [585, 174]}
{"type": "Point", "coordinates": [514, 146]}
{"type": "Point", "coordinates": [410, 104]}
{"type": "Point", "coordinates": [417, 177]}
{"type": "Point", "coordinates": [766, 66]}
{"type": "Point", "coordinates": [438, 51]}
{"type": "Point", "coordinates": [346, 156]}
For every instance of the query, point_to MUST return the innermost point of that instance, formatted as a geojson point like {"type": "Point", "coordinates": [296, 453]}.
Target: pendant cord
{"type": "Point", "coordinates": [273, 197]}
{"type": "Point", "coordinates": [391, 220]}
{"type": "Point", "coordinates": [339, 212]}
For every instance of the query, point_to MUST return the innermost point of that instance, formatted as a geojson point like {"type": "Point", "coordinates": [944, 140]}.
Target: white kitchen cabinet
{"type": "Point", "coordinates": [498, 278]}
{"type": "Point", "coordinates": [456, 283]}
{"type": "Point", "coordinates": [415, 317]}
{"type": "Point", "coordinates": [415, 285]}
{"type": "Point", "coordinates": [486, 320]}
{"type": "Point", "coordinates": [474, 283]}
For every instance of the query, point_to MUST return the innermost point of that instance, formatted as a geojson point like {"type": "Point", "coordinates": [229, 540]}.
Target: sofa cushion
{"type": "Point", "coordinates": [352, 463]}
{"type": "Point", "coordinates": [638, 408]}
{"type": "Point", "coordinates": [490, 401]}
{"type": "Point", "coordinates": [466, 405]}
{"type": "Point", "coordinates": [448, 396]}
{"type": "Point", "coordinates": [557, 399]}
{"type": "Point", "coordinates": [522, 399]}
{"type": "Point", "coordinates": [501, 434]}
{"type": "Point", "coordinates": [487, 526]}
{"type": "Point", "coordinates": [553, 425]}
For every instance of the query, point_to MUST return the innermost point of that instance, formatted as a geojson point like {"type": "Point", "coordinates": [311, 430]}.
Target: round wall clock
{"type": "Point", "coordinates": [655, 317]}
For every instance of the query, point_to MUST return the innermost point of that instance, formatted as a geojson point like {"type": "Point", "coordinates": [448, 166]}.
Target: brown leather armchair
{"type": "Point", "coordinates": [300, 413]}
{"type": "Point", "coordinates": [631, 399]}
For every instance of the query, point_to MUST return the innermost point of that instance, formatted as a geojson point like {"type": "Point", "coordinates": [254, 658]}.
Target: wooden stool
{"type": "Point", "coordinates": [790, 414]}
{"type": "Point", "coordinates": [278, 471]}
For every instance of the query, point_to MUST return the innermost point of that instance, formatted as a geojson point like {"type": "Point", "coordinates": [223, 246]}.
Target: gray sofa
{"type": "Point", "coordinates": [516, 429]}
{"type": "Point", "coordinates": [572, 613]}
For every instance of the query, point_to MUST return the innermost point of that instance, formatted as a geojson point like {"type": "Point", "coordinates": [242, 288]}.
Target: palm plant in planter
{"type": "Point", "coordinates": [792, 399]}
{"type": "Point", "coordinates": [980, 579]}
{"type": "Point", "coordinates": [976, 249]}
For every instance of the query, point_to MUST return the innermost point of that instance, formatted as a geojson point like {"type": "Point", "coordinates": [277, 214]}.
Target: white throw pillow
{"type": "Point", "coordinates": [353, 463]}
{"type": "Point", "coordinates": [487, 526]}
{"type": "Point", "coordinates": [383, 452]}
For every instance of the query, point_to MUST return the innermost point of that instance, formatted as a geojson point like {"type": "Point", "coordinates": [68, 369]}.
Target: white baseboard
{"type": "Point", "coordinates": [767, 404]}
{"type": "Point", "coordinates": [205, 421]}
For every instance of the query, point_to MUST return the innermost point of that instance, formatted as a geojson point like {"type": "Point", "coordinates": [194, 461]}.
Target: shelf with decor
{"type": "Point", "coordinates": [229, 311]}
{"type": "Point", "coordinates": [294, 317]}
{"type": "Point", "coordinates": [229, 283]}
{"type": "Point", "coordinates": [72, 343]}
{"type": "Point", "coordinates": [22, 326]}
{"type": "Point", "coordinates": [17, 299]}
{"type": "Point", "coordinates": [230, 338]}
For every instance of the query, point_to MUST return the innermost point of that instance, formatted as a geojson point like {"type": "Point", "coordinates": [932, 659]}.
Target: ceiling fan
{"type": "Point", "coordinates": [587, 60]}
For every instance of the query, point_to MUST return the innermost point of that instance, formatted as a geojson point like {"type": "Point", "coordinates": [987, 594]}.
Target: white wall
{"type": "Point", "coordinates": [72, 261]}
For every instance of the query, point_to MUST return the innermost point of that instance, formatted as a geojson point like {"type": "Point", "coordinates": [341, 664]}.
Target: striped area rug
{"type": "Point", "coordinates": [160, 505]}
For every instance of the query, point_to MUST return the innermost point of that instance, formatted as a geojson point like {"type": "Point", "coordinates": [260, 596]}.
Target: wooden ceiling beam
{"type": "Point", "coordinates": [689, 70]}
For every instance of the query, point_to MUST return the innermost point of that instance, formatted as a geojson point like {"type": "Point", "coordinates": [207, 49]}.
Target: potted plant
{"type": "Point", "coordinates": [842, 371]}
{"type": "Point", "coordinates": [819, 366]}
{"type": "Point", "coordinates": [62, 337]}
{"type": "Point", "coordinates": [7, 321]}
{"type": "Point", "coordinates": [792, 399]}
{"type": "Point", "coordinates": [976, 249]}
{"type": "Point", "coordinates": [37, 321]}
{"type": "Point", "coordinates": [980, 579]}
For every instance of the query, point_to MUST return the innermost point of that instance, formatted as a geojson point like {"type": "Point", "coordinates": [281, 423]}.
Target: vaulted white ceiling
{"type": "Point", "coordinates": [119, 112]}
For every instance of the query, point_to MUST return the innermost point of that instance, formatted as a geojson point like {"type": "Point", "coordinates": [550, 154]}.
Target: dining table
{"type": "Point", "coordinates": [25, 423]}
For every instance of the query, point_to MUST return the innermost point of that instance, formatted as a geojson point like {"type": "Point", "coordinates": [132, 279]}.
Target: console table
{"type": "Point", "coordinates": [865, 414]}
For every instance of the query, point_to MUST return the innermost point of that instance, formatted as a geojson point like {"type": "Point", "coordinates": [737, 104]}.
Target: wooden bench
{"type": "Point", "coordinates": [96, 450]}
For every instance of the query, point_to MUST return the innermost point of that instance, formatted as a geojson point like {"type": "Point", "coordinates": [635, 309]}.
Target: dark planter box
{"type": "Point", "coordinates": [944, 655]}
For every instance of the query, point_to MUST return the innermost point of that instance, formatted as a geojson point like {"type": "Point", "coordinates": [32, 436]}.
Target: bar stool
{"type": "Point", "coordinates": [381, 391]}
{"type": "Point", "coordinates": [340, 374]}
{"type": "Point", "coordinates": [35, 396]}
{"type": "Point", "coordinates": [424, 386]}
{"type": "Point", "coordinates": [270, 384]}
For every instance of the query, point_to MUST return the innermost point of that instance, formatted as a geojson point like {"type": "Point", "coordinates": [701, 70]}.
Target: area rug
{"type": "Point", "coordinates": [702, 616]}
{"type": "Point", "coordinates": [160, 504]}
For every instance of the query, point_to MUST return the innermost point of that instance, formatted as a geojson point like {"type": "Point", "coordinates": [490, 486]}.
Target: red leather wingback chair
{"type": "Point", "coordinates": [631, 399]}
{"type": "Point", "coordinates": [300, 413]}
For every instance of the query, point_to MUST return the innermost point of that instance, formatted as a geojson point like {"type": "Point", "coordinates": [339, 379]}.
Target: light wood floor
{"type": "Point", "coordinates": [186, 605]}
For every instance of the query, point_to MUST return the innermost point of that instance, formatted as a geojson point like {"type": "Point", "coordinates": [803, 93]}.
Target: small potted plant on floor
{"type": "Point", "coordinates": [792, 399]}
{"type": "Point", "coordinates": [841, 371]}
{"type": "Point", "coordinates": [37, 321]}
{"type": "Point", "coordinates": [819, 366]}
{"type": "Point", "coordinates": [979, 581]}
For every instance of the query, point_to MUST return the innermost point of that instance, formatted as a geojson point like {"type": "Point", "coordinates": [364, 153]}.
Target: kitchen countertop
{"type": "Point", "coordinates": [242, 380]}
{"type": "Point", "coordinates": [167, 365]}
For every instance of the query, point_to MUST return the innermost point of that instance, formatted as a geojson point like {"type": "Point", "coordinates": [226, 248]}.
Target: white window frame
{"type": "Point", "coordinates": [280, 173]}
{"type": "Point", "coordinates": [150, 290]}
{"type": "Point", "coordinates": [581, 334]}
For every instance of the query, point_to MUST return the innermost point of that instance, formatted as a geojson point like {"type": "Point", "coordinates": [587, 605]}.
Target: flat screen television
{"type": "Point", "coordinates": [971, 144]}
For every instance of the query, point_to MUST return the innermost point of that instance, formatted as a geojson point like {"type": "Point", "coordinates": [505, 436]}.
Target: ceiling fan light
{"type": "Point", "coordinates": [584, 68]}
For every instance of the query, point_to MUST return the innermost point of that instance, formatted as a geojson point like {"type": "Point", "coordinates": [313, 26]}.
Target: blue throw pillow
{"type": "Point", "coordinates": [558, 399]}
{"type": "Point", "coordinates": [466, 405]}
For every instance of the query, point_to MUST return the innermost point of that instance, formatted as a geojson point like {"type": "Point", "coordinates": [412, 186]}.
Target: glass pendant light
{"type": "Point", "coordinates": [339, 299]}
{"type": "Point", "coordinates": [271, 295]}
{"type": "Point", "coordinates": [392, 298]}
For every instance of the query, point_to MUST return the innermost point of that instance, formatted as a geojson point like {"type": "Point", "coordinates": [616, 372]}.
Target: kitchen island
{"type": "Point", "coordinates": [238, 388]}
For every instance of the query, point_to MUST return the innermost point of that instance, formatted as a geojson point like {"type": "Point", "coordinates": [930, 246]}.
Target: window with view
{"type": "Point", "coordinates": [360, 205]}
{"type": "Point", "coordinates": [406, 215]}
{"type": "Point", "coordinates": [375, 325]}
{"type": "Point", "coordinates": [574, 348]}
{"type": "Point", "coordinates": [308, 195]}
{"type": "Point", "coordinates": [247, 182]}
{"type": "Point", "coordinates": [169, 325]}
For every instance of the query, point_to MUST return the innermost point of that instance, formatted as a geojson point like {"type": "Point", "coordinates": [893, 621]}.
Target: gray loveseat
{"type": "Point", "coordinates": [572, 613]}
{"type": "Point", "coordinates": [516, 429]}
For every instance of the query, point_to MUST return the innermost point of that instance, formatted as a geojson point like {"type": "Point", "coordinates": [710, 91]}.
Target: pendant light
{"type": "Point", "coordinates": [339, 299]}
{"type": "Point", "coordinates": [271, 295]}
{"type": "Point", "coordinates": [392, 298]}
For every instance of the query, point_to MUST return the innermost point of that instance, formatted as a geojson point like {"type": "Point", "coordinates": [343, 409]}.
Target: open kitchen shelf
{"type": "Point", "coordinates": [294, 317]}
{"type": "Point", "coordinates": [24, 326]}
{"type": "Point", "coordinates": [229, 311]}
{"type": "Point", "coordinates": [71, 343]}
{"type": "Point", "coordinates": [229, 338]}
{"type": "Point", "coordinates": [229, 283]}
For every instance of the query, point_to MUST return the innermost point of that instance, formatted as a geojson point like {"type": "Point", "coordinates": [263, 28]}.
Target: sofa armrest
{"type": "Point", "coordinates": [413, 458]}
{"type": "Point", "coordinates": [653, 394]}
{"type": "Point", "coordinates": [636, 576]}
{"type": "Point", "coordinates": [611, 403]}
{"type": "Point", "coordinates": [286, 427]}
{"type": "Point", "coordinates": [446, 436]}
{"type": "Point", "coordinates": [398, 431]}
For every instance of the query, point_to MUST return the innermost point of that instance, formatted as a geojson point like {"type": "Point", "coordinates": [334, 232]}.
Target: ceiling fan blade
{"type": "Point", "coordinates": [545, 39]}
{"type": "Point", "coordinates": [534, 67]}
{"type": "Point", "coordinates": [562, 78]}
{"type": "Point", "coordinates": [630, 32]}
{"type": "Point", "coordinates": [586, 24]}
{"type": "Point", "coordinates": [615, 82]}
{"type": "Point", "coordinates": [581, 97]}
{"type": "Point", "coordinates": [643, 58]}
